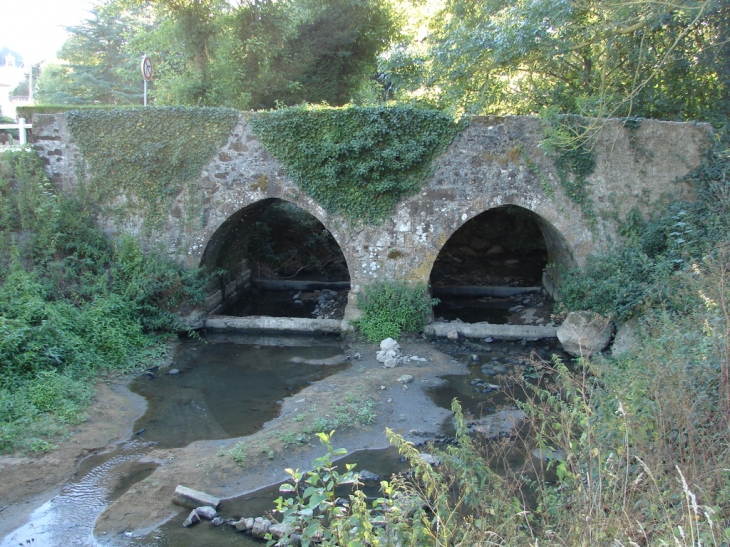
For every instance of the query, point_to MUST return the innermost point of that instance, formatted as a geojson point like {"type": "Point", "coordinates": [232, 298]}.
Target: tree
{"type": "Point", "coordinates": [101, 68]}
{"type": "Point", "coordinates": [267, 52]}
{"type": "Point", "coordinates": [644, 58]}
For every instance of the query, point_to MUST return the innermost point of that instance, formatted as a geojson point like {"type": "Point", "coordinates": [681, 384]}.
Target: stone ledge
{"type": "Point", "coordinates": [263, 323]}
{"type": "Point", "coordinates": [486, 330]}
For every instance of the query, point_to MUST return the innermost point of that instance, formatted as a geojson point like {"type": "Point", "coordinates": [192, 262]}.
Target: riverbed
{"type": "Point", "coordinates": [195, 419]}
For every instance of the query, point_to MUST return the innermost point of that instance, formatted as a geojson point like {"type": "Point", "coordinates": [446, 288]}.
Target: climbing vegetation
{"type": "Point", "coordinates": [140, 160]}
{"type": "Point", "coordinates": [356, 161]}
{"type": "Point", "coordinates": [650, 265]}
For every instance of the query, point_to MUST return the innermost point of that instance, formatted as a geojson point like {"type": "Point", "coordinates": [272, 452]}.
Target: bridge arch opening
{"type": "Point", "coordinates": [500, 266]}
{"type": "Point", "coordinates": [275, 259]}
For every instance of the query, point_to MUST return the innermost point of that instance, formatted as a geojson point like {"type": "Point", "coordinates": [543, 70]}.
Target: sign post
{"type": "Point", "coordinates": [146, 68]}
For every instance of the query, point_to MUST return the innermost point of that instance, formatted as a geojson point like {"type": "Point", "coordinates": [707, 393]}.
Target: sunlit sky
{"type": "Point", "coordinates": [34, 28]}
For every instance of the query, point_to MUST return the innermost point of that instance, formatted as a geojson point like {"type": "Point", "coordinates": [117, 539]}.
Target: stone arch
{"type": "Point", "coordinates": [527, 225]}
{"type": "Point", "coordinates": [227, 251]}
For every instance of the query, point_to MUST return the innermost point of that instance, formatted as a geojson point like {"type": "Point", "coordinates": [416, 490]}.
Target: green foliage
{"type": "Point", "coordinates": [27, 112]}
{"type": "Point", "coordinates": [587, 57]}
{"type": "Point", "coordinates": [101, 69]}
{"type": "Point", "coordinates": [311, 507]}
{"type": "Point", "coordinates": [392, 308]}
{"type": "Point", "coordinates": [356, 161]}
{"type": "Point", "coordinates": [567, 143]}
{"type": "Point", "coordinates": [71, 304]}
{"type": "Point", "coordinates": [148, 155]}
{"type": "Point", "coordinates": [642, 272]}
{"type": "Point", "coordinates": [355, 410]}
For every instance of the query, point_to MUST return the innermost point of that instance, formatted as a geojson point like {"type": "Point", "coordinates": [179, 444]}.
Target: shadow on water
{"type": "Point", "coordinates": [226, 388]}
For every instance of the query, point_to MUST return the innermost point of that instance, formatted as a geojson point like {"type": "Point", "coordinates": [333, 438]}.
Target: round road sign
{"type": "Point", "coordinates": [146, 68]}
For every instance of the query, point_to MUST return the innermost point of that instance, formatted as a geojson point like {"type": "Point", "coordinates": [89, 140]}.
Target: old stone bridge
{"type": "Point", "coordinates": [494, 163]}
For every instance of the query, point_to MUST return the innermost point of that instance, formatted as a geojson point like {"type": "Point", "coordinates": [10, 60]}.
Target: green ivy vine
{"type": "Point", "coordinates": [356, 161]}
{"type": "Point", "coordinates": [567, 142]}
{"type": "Point", "coordinates": [148, 155]}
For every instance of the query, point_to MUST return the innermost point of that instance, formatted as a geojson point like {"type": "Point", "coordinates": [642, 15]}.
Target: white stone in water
{"type": "Point", "coordinates": [173, 371]}
{"type": "Point", "coordinates": [206, 512]}
{"type": "Point", "coordinates": [430, 459]}
{"type": "Point", "coordinates": [389, 344]}
{"type": "Point", "coordinates": [187, 497]}
{"type": "Point", "coordinates": [245, 524]}
{"type": "Point", "coordinates": [452, 335]}
{"type": "Point", "coordinates": [193, 518]}
{"type": "Point", "coordinates": [280, 530]}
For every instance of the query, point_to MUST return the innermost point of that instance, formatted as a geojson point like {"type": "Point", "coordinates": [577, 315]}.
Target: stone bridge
{"type": "Point", "coordinates": [495, 162]}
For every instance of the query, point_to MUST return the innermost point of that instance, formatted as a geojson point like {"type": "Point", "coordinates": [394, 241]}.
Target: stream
{"type": "Point", "coordinates": [210, 397]}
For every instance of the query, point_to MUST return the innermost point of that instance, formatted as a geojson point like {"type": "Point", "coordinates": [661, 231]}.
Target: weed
{"type": "Point", "coordinates": [266, 449]}
{"type": "Point", "coordinates": [354, 411]}
{"type": "Point", "coordinates": [238, 453]}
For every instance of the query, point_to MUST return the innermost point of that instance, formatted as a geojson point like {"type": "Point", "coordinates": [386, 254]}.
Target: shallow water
{"type": "Point", "coordinates": [69, 518]}
{"type": "Point", "coordinates": [228, 386]}
{"type": "Point", "coordinates": [260, 503]}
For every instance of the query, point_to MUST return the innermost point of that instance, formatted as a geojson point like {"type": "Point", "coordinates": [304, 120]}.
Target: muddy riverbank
{"type": "Point", "coordinates": [207, 465]}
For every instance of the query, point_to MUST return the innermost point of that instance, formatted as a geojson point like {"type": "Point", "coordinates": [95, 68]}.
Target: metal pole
{"type": "Point", "coordinates": [21, 131]}
{"type": "Point", "coordinates": [145, 92]}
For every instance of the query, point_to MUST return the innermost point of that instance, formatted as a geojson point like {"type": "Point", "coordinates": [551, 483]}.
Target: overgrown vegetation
{"type": "Point", "coordinates": [72, 303]}
{"type": "Point", "coordinates": [150, 156]}
{"type": "Point", "coordinates": [651, 264]}
{"type": "Point", "coordinates": [356, 161]}
{"type": "Point", "coordinates": [568, 142]}
{"type": "Point", "coordinates": [392, 308]}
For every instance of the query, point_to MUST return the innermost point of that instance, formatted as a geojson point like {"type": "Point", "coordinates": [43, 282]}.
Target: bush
{"type": "Point", "coordinates": [392, 308]}
{"type": "Point", "coordinates": [71, 303]}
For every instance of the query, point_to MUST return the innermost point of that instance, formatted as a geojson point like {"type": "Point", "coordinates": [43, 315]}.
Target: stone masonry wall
{"type": "Point", "coordinates": [485, 167]}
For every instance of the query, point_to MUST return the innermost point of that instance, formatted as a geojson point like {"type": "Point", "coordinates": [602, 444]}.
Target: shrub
{"type": "Point", "coordinates": [391, 308]}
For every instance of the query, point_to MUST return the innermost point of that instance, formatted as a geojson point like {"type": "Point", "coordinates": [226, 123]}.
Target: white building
{"type": "Point", "coordinates": [12, 72]}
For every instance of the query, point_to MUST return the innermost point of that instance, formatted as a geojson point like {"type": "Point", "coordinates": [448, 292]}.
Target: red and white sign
{"type": "Point", "coordinates": [146, 68]}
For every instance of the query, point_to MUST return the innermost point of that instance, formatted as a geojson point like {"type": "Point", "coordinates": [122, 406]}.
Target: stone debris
{"type": "Point", "coordinates": [193, 519]}
{"type": "Point", "coordinates": [584, 333]}
{"type": "Point", "coordinates": [260, 527]}
{"type": "Point", "coordinates": [500, 424]}
{"type": "Point", "coordinates": [244, 525]}
{"type": "Point", "coordinates": [405, 379]}
{"type": "Point", "coordinates": [192, 499]}
{"type": "Point", "coordinates": [549, 454]}
{"type": "Point", "coordinates": [206, 512]}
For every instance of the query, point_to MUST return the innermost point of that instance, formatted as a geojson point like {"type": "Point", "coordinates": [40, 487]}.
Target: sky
{"type": "Point", "coordinates": [34, 28]}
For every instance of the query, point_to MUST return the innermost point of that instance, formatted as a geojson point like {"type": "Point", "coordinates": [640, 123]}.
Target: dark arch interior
{"type": "Point", "coordinates": [491, 269]}
{"type": "Point", "coordinates": [273, 258]}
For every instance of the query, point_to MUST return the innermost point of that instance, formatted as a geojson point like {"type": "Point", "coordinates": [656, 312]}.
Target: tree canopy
{"type": "Point", "coordinates": [667, 60]}
{"type": "Point", "coordinates": [655, 59]}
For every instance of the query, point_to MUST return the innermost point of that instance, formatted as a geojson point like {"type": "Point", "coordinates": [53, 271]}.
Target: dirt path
{"type": "Point", "coordinates": [205, 465]}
